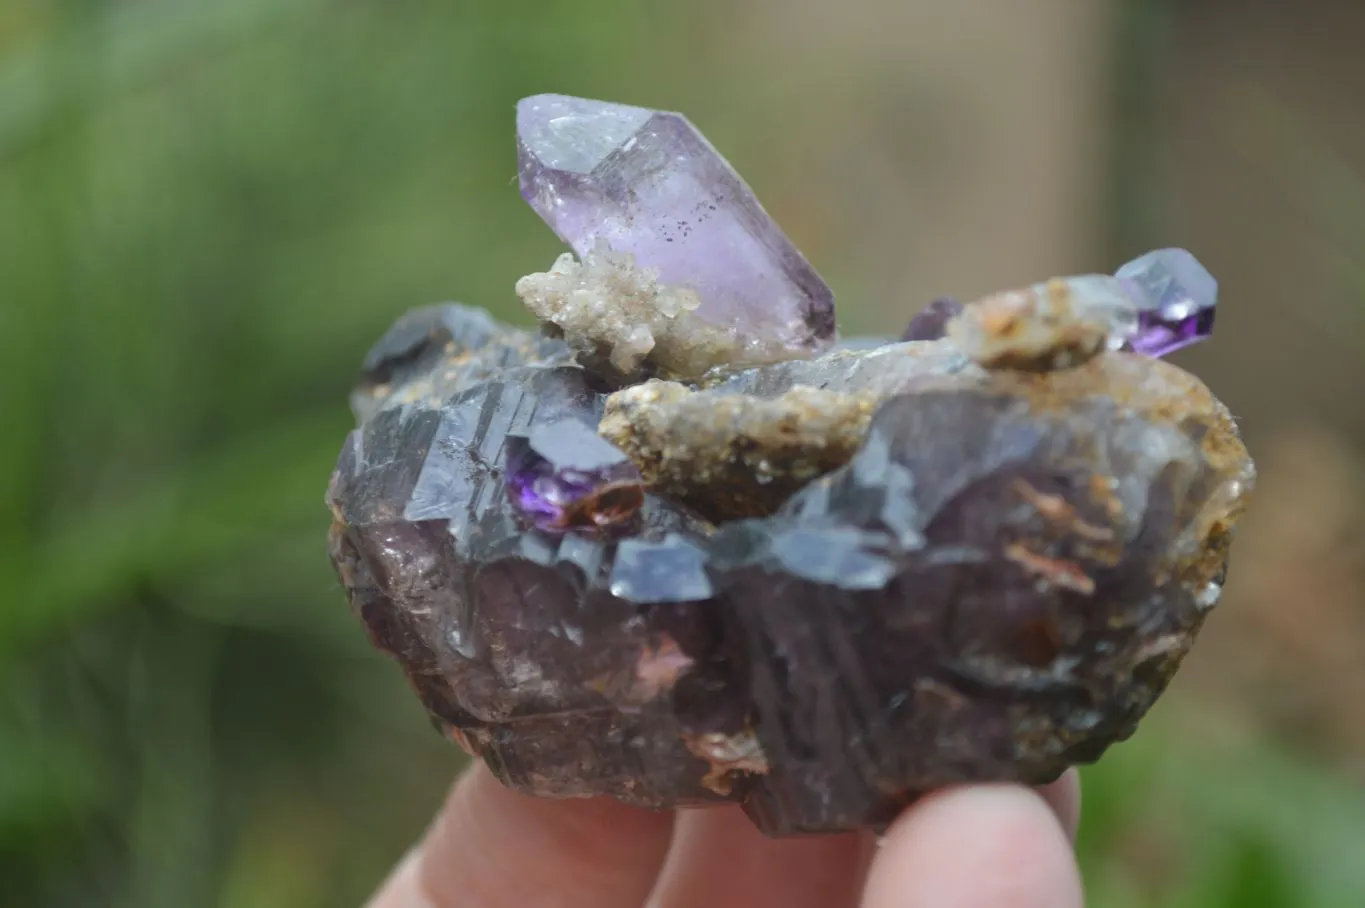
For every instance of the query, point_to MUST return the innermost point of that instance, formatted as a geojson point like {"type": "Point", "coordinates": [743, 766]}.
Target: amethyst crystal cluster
{"type": "Point", "coordinates": [683, 546]}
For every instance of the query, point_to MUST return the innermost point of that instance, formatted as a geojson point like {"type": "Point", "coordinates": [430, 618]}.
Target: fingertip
{"type": "Point", "coordinates": [976, 847]}
{"type": "Point", "coordinates": [721, 860]}
{"type": "Point", "coordinates": [1064, 797]}
{"type": "Point", "coordinates": [404, 889]}
{"type": "Point", "coordinates": [492, 846]}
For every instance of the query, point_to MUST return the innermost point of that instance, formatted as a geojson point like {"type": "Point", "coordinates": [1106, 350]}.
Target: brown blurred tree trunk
{"type": "Point", "coordinates": [1263, 160]}
{"type": "Point", "coordinates": [932, 147]}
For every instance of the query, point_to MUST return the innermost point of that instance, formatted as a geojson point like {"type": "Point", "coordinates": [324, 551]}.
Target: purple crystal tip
{"type": "Point", "coordinates": [648, 183]}
{"type": "Point", "coordinates": [1176, 297]}
{"type": "Point", "coordinates": [563, 476]}
{"type": "Point", "coordinates": [931, 322]}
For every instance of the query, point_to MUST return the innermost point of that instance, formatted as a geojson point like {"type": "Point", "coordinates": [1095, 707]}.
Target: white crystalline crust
{"type": "Point", "coordinates": [607, 306]}
{"type": "Point", "coordinates": [1057, 324]}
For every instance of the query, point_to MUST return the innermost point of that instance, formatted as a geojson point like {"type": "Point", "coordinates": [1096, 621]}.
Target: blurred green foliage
{"type": "Point", "coordinates": [207, 211]}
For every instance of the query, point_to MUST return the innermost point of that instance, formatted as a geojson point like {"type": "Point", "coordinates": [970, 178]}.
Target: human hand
{"type": "Point", "coordinates": [972, 847]}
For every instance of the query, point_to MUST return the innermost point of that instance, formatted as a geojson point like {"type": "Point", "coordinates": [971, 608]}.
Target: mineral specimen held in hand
{"type": "Point", "coordinates": [646, 187]}
{"type": "Point", "coordinates": [818, 587]}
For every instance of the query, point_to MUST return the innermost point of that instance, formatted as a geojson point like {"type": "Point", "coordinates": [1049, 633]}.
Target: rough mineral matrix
{"type": "Point", "coordinates": [683, 546]}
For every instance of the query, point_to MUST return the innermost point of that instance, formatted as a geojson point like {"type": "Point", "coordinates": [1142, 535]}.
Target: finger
{"type": "Point", "coordinates": [495, 848]}
{"type": "Point", "coordinates": [404, 888]}
{"type": "Point", "coordinates": [719, 860]}
{"type": "Point", "coordinates": [1064, 797]}
{"type": "Point", "coordinates": [975, 847]}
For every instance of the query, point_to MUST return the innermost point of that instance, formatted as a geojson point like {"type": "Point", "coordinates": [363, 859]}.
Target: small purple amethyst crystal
{"type": "Point", "coordinates": [647, 183]}
{"type": "Point", "coordinates": [1176, 296]}
{"type": "Point", "coordinates": [563, 476]}
{"type": "Point", "coordinates": [931, 322]}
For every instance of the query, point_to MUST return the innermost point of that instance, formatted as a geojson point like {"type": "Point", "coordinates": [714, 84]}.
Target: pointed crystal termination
{"type": "Point", "coordinates": [647, 183]}
{"type": "Point", "coordinates": [1176, 297]}
{"type": "Point", "coordinates": [563, 477]}
{"type": "Point", "coordinates": [931, 322]}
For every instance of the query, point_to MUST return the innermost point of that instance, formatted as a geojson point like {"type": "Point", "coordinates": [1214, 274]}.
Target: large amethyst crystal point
{"type": "Point", "coordinates": [644, 184]}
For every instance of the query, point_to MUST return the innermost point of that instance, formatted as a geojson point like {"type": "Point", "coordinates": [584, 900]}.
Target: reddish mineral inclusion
{"type": "Point", "coordinates": [648, 183]}
{"type": "Point", "coordinates": [563, 476]}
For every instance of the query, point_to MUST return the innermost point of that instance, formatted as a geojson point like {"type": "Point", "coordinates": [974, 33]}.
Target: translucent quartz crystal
{"type": "Point", "coordinates": [1176, 298]}
{"type": "Point", "coordinates": [648, 184]}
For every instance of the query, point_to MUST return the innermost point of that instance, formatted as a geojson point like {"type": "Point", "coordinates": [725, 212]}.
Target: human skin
{"type": "Point", "coordinates": [978, 846]}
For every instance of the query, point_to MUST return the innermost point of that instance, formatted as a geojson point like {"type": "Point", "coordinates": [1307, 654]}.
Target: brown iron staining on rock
{"type": "Point", "coordinates": [1052, 325]}
{"type": "Point", "coordinates": [659, 668]}
{"type": "Point", "coordinates": [1065, 537]}
{"type": "Point", "coordinates": [729, 453]}
{"type": "Point", "coordinates": [729, 757]}
{"type": "Point", "coordinates": [654, 674]}
{"type": "Point", "coordinates": [1059, 511]}
{"type": "Point", "coordinates": [461, 739]}
{"type": "Point", "coordinates": [734, 455]}
{"type": "Point", "coordinates": [613, 507]}
{"type": "Point", "coordinates": [1057, 572]}
{"type": "Point", "coordinates": [740, 446]}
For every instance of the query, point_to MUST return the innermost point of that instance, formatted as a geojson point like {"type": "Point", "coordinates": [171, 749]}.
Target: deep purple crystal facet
{"type": "Point", "coordinates": [563, 476]}
{"type": "Point", "coordinates": [931, 322]}
{"type": "Point", "coordinates": [648, 183]}
{"type": "Point", "coordinates": [1176, 298]}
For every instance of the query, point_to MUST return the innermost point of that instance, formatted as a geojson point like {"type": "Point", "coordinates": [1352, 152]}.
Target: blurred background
{"type": "Point", "coordinates": [208, 210]}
